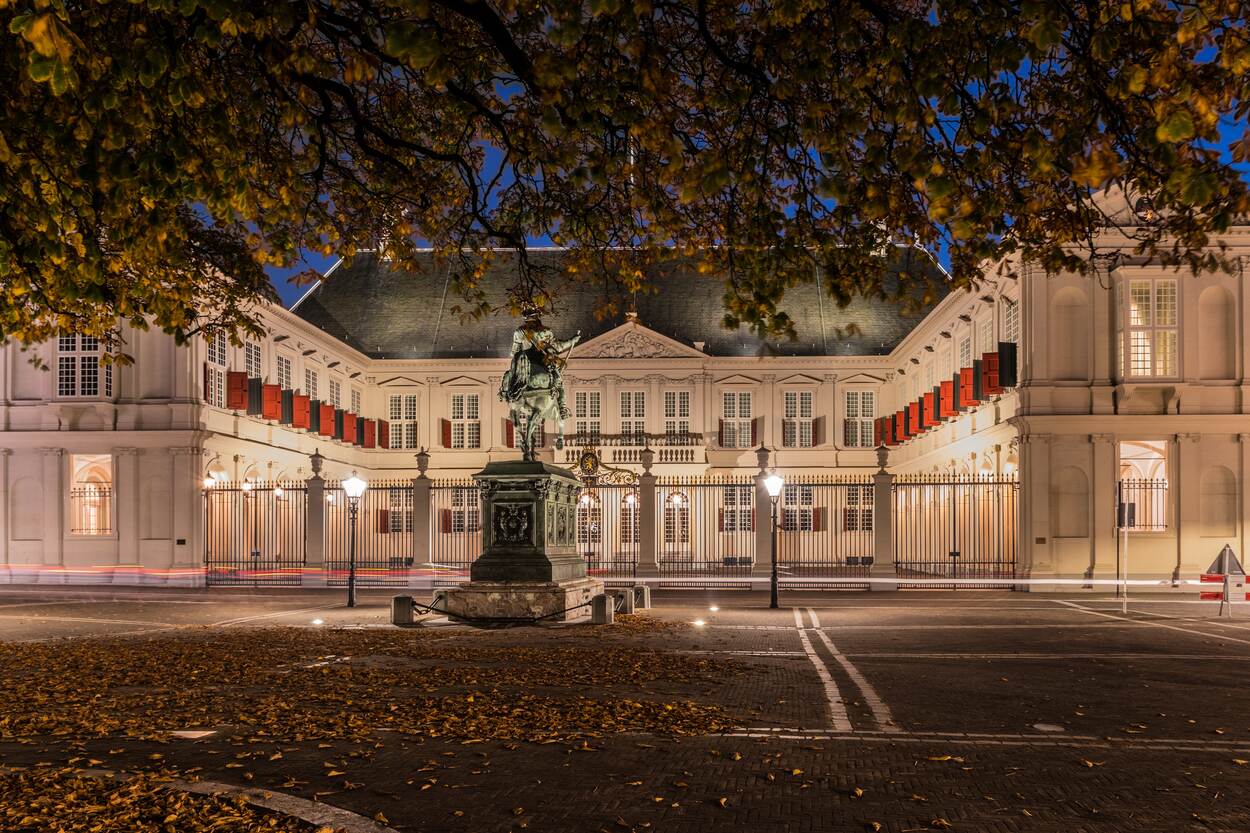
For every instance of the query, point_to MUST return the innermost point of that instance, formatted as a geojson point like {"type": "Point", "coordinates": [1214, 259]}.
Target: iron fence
{"type": "Point", "coordinates": [384, 534]}
{"type": "Point", "coordinates": [455, 529]}
{"type": "Point", "coordinates": [1143, 505]}
{"type": "Point", "coordinates": [962, 528]}
{"type": "Point", "coordinates": [608, 519]}
{"type": "Point", "coordinates": [254, 533]}
{"type": "Point", "coordinates": [91, 509]}
{"type": "Point", "coordinates": [705, 527]}
{"type": "Point", "coordinates": [825, 531]}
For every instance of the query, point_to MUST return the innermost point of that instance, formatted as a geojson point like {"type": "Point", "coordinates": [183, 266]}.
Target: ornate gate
{"type": "Point", "coordinates": [254, 533]}
{"type": "Point", "coordinates": [961, 528]}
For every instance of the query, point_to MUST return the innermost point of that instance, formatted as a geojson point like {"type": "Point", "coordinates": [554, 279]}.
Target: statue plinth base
{"type": "Point", "coordinates": [529, 567]}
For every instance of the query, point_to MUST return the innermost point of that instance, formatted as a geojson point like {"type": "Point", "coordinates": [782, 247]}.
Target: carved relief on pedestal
{"type": "Point", "coordinates": [512, 523]}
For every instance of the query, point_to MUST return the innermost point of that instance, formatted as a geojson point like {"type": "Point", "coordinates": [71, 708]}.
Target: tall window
{"type": "Point", "coordinates": [310, 383]}
{"type": "Point", "coordinates": [797, 508]}
{"type": "Point", "coordinates": [985, 337]}
{"type": "Point", "coordinates": [857, 515]}
{"type": "Point", "coordinates": [586, 412]}
{"type": "Point", "coordinates": [677, 518]}
{"type": "Point", "coordinates": [965, 352]}
{"type": "Point", "coordinates": [355, 400]}
{"type": "Point", "coordinates": [738, 513]}
{"type": "Point", "coordinates": [80, 370]}
{"type": "Point", "coordinates": [284, 373]}
{"type": "Point", "coordinates": [399, 513]}
{"type": "Point", "coordinates": [676, 412]}
{"type": "Point", "coordinates": [403, 419]}
{"type": "Point", "coordinates": [466, 430]}
{"type": "Point", "coordinates": [1143, 486]}
{"type": "Point", "coordinates": [465, 510]}
{"type": "Point", "coordinates": [1152, 328]}
{"type": "Point", "coordinates": [252, 360]}
{"type": "Point", "coordinates": [217, 349]}
{"type": "Point", "coordinates": [634, 413]}
{"type": "Point", "coordinates": [215, 371]}
{"type": "Point", "coordinates": [589, 519]}
{"type": "Point", "coordinates": [861, 407]}
{"type": "Point", "coordinates": [91, 494]}
{"type": "Point", "coordinates": [336, 393]}
{"type": "Point", "coordinates": [629, 519]}
{"type": "Point", "coordinates": [736, 420]}
{"type": "Point", "coordinates": [796, 428]}
{"type": "Point", "coordinates": [1011, 321]}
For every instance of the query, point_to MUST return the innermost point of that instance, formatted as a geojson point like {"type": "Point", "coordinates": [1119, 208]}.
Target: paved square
{"type": "Point", "coordinates": [897, 712]}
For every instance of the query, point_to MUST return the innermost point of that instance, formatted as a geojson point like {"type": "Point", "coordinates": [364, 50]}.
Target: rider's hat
{"type": "Point", "coordinates": [531, 312]}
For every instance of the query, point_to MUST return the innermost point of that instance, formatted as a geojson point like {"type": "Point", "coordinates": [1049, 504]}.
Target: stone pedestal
{"type": "Point", "coordinates": [529, 567]}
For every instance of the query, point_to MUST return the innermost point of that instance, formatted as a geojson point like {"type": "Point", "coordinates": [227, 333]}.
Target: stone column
{"type": "Point", "coordinates": [883, 573]}
{"type": "Point", "coordinates": [314, 572]}
{"type": "Point", "coordinates": [422, 509]}
{"type": "Point", "coordinates": [1187, 507]}
{"type": "Point", "coordinates": [126, 507]}
{"type": "Point", "coordinates": [1103, 484]}
{"type": "Point", "coordinates": [188, 510]}
{"type": "Point", "coordinates": [763, 517]}
{"type": "Point", "coordinates": [54, 500]}
{"type": "Point", "coordinates": [647, 565]}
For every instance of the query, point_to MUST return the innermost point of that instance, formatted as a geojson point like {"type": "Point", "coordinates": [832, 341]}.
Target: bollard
{"type": "Point", "coordinates": [642, 596]}
{"type": "Point", "coordinates": [625, 603]}
{"type": "Point", "coordinates": [401, 610]}
{"type": "Point", "coordinates": [602, 610]}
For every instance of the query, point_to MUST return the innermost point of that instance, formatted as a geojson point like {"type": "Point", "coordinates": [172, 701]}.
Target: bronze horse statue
{"type": "Point", "coordinates": [534, 385]}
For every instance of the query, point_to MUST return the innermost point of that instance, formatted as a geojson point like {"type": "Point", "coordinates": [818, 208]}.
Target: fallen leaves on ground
{"type": "Point", "coordinates": [66, 801]}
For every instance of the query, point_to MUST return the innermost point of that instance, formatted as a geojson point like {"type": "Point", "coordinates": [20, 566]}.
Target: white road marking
{"type": "Point", "coordinates": [1078, 742]}
{"type": "Point", "coordinates": [936, 626]}
{"type": "Point", "coordinates": [227, 622]}
{"type": "Point", "coordinates": [1191, 631]}
{"type": "Point", "coordinates": [1131, 657]}
{"type": "Point", "coordinates": [880, 711]}
{"type": "Point", "coordinates": [837, 709]}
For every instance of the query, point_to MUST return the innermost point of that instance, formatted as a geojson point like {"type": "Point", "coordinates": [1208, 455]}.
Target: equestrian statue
{"type": "Point", "coordinates": [533, 385]}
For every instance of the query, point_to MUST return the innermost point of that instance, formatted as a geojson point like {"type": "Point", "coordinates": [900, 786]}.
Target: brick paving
{"type": "Point", "coordinates": [1017, 713]}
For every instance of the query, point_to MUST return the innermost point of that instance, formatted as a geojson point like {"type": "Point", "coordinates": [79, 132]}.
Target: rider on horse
{"type": "Point", "coordinates": [537, 361]}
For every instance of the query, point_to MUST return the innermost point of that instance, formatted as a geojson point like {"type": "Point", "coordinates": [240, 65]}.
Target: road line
{"type": "Point", "coordinates": [837, 709]}
{"type": "Point", "coordinates": [1133, 657]}
{"type": "Point", "coordinates": [940, 627]}
{"type": "Point", "coordinates": [880, 711]}
{"type": "Point", "coordinates": [1006, 740]}
{"type": "Point", "coordinates": [1190, 631]}
{"type": "Point", "coordinates": [227, 622]}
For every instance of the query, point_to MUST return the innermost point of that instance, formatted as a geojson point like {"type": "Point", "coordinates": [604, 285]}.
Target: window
{"type": "Point", "coordinates": [857, 515]}
{"type": "Point", "coordinates": [1152, 328]}
{"type": "Point", "coordinates": [518, 431]}
{"type": "Point", "coordinates": [797, 512]}
{"type": "Point", "coordinates": [336, 393]}
{"type": "Point", "coordinates": [736, 420]}
{"type": "Point", "coordinates": [677, 519]}
{"type": "Point", "coordinates": [80, 369]}
{"type": "Point", "coordinates": [589, 520]}
{"type": "Point", "coordinates": [1011, 321]}
{"type": "Point", "coordinates": [284, 373]}
{"type": "Point", "coordinates": [465, 510]}
{"type": "Point", "coordinates": [965, 352]}
{"type": "Point", "coordinates": [466, 431]}
{"type": "Point", "coordinates": [252, 360]}
{"type": "Point", "coordinates": [217, 349]}
{"type": "Point", "coordinates": [738, 514]}
{"type": "Point", "coordinates": [91, 494]}
{"type": "Point", "coordinates": [403, 419]}
{"type": "Point", "coordinates": [676, 412]}
{"type": "Point", "coordinates": [633, 414]}
{"type": "Point", "coordinates": [985, 338]}
{"type": "Point", "coordinates": [356, 400]}
{"type": "Point", "coordinates": [399, 513]}
{"type": "Point", "coordinates": [796, 427]}
{"type": "Point", "coordinates": [586, 412]}
{"type": "Point", "coordinates": [1143, 486]}
{"type": "Point", "coordinates": [310, 383]}
{"type": "Point", "coordinates": [861, 407]}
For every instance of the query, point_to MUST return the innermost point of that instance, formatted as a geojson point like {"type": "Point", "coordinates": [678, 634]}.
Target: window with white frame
{"type": "Point", "coordinates": [466, 429]}
{"type": "Point", "coordinates": [403, 420]}
{"type": "Point", "coordinates": [676, 412]}
{"type": "Point", "coordinates": [356, 400]}
{"type": "Point", "coordinates": [284, 373]}
{"type": "Point", "coordinates": [1152, 332]}
{"type": "Point", "coordinates": [965, 351]}
{"type": "Point", "coordinates": [857, 514]}
{"type": "Point", "coordinates": [738, 509]}
{"type": "Point", "coordinates": [336, 393]}
{"type": "Point", "coordinates": [797, 429]}
{"type": "Point", "coordinates": [736, 419]}
{"type": "Point", "coordinates": [586, 412]}
{"type": "Point", "coordinates": [861, 407]}
{"type": "Point", "coordinates": [798, 507]}
{"type": "Point", "coordinates": [215, 371]}
{"type": "Point", "coordinates": [634, 414]}
{"type": "Point", "coordinates": [310, 383]}
{"type": "Point", "coordinates": [253, 360]}
{"type": "Point", "coordinates": [985, 336]}
{"type": "Point", "coordinates": [399, 513]}
{"type": "Point", "coordinates": [217, 349]}
{"type": "Point", "coordinates": [81, 369]}
{"type": "Point", "coordinates": [465, 509]}
{"type": "Point", "coordinates": [1011, 321]}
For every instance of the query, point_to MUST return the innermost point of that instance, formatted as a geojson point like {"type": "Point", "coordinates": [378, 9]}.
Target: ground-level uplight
{"type": "Point", "coordinates": [318, 621]}
{"type": "Point", "coordinates": [713, 608]}
{"type": "Point", "coordinates": [698, 623]}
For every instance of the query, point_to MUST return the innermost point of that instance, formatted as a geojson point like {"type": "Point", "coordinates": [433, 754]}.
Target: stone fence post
{"type": "Point", "coordinates": [422, 509]}
{"type": "Point", "coordinates": [763, 518]}
{"type": "Point", "coordinates": [883, 572]}
{"type": "Point", "coordinates": [314, 526]}
{"type": "Point", "coordinates": [647, 565]}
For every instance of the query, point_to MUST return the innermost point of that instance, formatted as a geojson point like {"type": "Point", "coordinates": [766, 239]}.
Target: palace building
{"type": "Point", "coordinates": [987, 437]}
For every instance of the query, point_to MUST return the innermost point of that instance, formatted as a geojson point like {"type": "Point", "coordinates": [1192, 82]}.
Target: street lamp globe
{"type": "Point", "coordinates": [774, 484]}
{"type": "Point", "coordinates": [354, 487]}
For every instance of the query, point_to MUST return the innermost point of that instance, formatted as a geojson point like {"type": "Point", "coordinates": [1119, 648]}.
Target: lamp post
{"type": "Point", "coordinates": [774, 484]}
{"type": "Point", "coordinates": [353, 487]}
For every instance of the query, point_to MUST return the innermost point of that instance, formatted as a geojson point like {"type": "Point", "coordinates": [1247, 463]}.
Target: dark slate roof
{"type": "Point", "coordinates": [393, 314]}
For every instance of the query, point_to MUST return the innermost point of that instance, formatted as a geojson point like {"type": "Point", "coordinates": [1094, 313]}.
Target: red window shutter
{"type": "Point", "coordinates": [327, 420]}
{"type": "Point", "coordinates": [509, 433]}
{"type": "Point", "coordinates": [876, 432]}
{"type": "Point", "coordinates": [446, 426]}
{"type": "Point", "coordinates": [384, 434]}
{"type": "Point", "coordinates": [948, 399]}
{"type": "Point", "coordinates": [967, 389]}
{"type": "Point", "coordinates": [989, 374]}
{"type": "Point", "coordinates": [271, 402]}
{"type": "Point", "coordinates": [930, 410]}
{"type": "Point", "coordinates": [300, 411]}
{"type": "Point", "coordinates": [755, 433]}
{"type": "Point", "coordinates": [444, 521]}
{"type": "Point", "coordinates": [818, 431]}
{"type": "Point", "coordinates": [900, 426]}
{"type": "Point", "coordinates": [236, 390]}
{"type": "Point", "coordinates": [371, 433]}
{"type": "Point", "coordinates": [208, 386]}
{"type": "Point", "coordinates": [818, 520]}
{"type": "Point", "coordinates": [349, 428]}
{"type": "Point", "coordinates": [384, 521]}
{"type": "Point", "coordinates": [913, 418]}
{"type": "Point", "coordinates": [720, 520]}
{"type": "Point", "coordinates": [720, 431]}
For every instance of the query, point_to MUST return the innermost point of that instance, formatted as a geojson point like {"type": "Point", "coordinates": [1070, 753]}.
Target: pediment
{"type": "Point", "coordinates": [862, 379]}
{"type": "Point", "coordinates": [799, 379]}
{"type": "Point", "coordinates": [632, 340]}
{"type": "Point", "coordinates": [737, 379]}
{"type": "Point", "coordinates": [461, 382]}
{"type": "Point", "coordinates": [400, 380]}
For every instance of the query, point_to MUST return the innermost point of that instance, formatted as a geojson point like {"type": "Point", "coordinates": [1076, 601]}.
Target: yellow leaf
{"type": "Point", "coordinates": [858, 792]}
{"type": "Point", "coordinates": [724, 802]}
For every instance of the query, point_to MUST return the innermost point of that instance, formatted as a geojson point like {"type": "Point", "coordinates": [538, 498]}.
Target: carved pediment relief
{"type": "Point", "coordinates": [632, 341]}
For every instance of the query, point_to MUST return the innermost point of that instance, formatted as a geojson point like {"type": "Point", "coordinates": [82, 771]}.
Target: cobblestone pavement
{"type": "Point", "coordinates": [912, 711]}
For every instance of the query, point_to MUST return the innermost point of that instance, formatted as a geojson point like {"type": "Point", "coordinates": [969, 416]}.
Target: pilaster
{"type": "Point", "coordinates": [54, 499]}
{"type": "Point", "coordinates": [188, 509]}
{"type": "Point", "coordinates": [1187, 504]}
{"type": "Point", "coordinates": [1102, 513]}
{"type": "Point", "coordinates": [126, 507]}
{"type": "Point", "coordinates": [6, 527]}
{"type": "Point", "coordinates": [1034, 545]}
